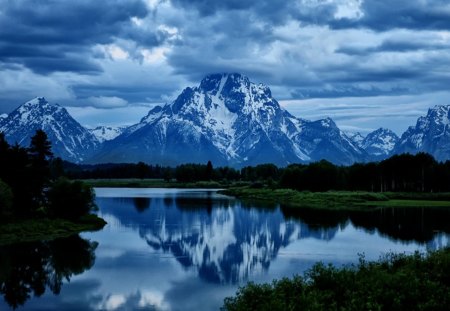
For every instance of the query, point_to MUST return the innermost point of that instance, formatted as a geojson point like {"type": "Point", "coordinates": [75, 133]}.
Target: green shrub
{"type": "Point", "coordinates": [70, 199]}
{"type": "Point", "coordinates": [395, 282]}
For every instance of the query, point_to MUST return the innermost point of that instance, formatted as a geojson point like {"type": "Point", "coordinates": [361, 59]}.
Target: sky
{"type": "Point", "coordinates": [364, 63]}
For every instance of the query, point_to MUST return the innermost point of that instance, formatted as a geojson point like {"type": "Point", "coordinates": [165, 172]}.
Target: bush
{"type": "Point", "coordinates": [6, 200]}
{"type": "Point", "coordinates": [70, 199]}
{"type": "Point", "coordinates": [395, 282]}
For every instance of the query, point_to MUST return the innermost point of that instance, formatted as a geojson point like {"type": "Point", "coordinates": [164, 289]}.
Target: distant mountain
{"type": "Point", "coordinates": [380, 143]}
{"type": "Point", "coordinates": [104, 133]}
{"type": "Point", "coordinates": [357, 138]}
{"type": "Point", "coordinates": [431, 134]}
{"type": "Point", "coordinates": [69, 139]}
{"type": "Point", "coordinates": [231, 121]}
{"type": "Point", "coordinates": [3, 116]}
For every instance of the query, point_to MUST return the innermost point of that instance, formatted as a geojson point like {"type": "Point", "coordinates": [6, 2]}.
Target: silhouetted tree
{"type": "Point", "coordinates": [209, 171]}
{"type": "Point", "coordinates": [70, 199]}
{"type": "Point", "coordinates": [40, 154]}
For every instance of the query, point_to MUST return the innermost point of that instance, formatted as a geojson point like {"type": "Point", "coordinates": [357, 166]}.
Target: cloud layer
{"type": "Point", "coordinates": [111, 54]}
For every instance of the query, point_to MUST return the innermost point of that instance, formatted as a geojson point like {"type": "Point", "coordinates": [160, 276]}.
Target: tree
{"type": "Point", "coordinates": [70, 199]}
{"type": "Point", "coordinates": [40, 147]}
{"type": "Point", "coordinates": [209, 171]}
{"type": "Point", "coordinates": [6, 200]}
{"type": "Point", "coordinates": [40, 155]}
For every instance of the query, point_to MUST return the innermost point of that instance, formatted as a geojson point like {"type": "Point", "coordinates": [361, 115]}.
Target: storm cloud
{"type": "Point", "coordinates": [137, 53]}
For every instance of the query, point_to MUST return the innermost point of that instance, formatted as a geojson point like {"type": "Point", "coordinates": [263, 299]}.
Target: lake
{"type": "Point", "coordinates": [178, 249]}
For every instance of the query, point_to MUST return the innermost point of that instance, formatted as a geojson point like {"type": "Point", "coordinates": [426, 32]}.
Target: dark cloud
{"type": "Point", "coordinates": [132, 93]}
{"type": "Point", "coordinates": [48, 36]}
{"type": "Point", "coordinates": [346, 91]}
{"type": "Point", "coordinates": [386, 15]}
{"type": "Point", "coordinates": [395, 46]}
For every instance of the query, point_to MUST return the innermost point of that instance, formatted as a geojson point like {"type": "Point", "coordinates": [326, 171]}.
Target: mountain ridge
{"type": "Point", "coordinates": [69, 139]}
{"type": "Point", "coordinates": [232, 121]}
{"type": "Point", "coordinates": [226, 119]}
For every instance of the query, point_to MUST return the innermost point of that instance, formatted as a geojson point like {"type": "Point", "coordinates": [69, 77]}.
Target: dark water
{"type": "Point", "coordinates": [168, 249]}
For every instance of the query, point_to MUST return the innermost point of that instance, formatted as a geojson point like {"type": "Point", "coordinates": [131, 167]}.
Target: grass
{"type": "Point", "coordinates": [46, 229]}
{"type": "Point", "coordinates": [339, 200]}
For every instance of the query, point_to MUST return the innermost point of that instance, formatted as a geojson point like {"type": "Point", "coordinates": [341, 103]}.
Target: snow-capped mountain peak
{"type": "Point", "coordinates": [231, 121]}
{"type": "Point", "coordinates": [431, 134]}
{"type": "Point", "coordinates": [69, 139]}
{"type": "Point", "coordinates": [380, 143]}
{"type": "Point", "coordinates": [357, 137]}
{"type": "Point", "coordinates": [104, 133]}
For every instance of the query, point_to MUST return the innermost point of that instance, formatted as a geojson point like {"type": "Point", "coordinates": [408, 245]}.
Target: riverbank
{"type": "Point", "coordinates": [339, 200]}
{"type": "Point", "coordinates": [395, 282]}
{"type": "Point", "coordinates": [156, 183]}
{"type": "Point", "coordinates": [46, 229]}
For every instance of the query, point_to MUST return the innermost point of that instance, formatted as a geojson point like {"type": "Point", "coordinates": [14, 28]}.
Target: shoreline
{"type": "Point", "coordinates": [29, 230]}
{"type": "Point", "coordinates": [341, 200]}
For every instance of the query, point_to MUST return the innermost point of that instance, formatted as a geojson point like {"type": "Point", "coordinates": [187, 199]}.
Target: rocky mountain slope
{"type": "Point", "coordinates": [431, 134]}
{"type": "Point", "coordinates": [104, 133]}
{"type": "Point", "coordinates": [231, 121]}
{"type": "Point", "coordinates": [69, 139]}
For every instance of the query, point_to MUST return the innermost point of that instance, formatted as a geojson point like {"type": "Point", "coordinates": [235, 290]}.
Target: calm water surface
{"type": "Point", "coordinates": [171, 249]}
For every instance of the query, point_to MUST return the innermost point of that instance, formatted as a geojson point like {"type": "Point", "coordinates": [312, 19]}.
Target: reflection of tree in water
{"type": "Point", "coordinates": [31, 268]}
{"type": "Point", "coordinates": [227, 240]}
{"type": "Point", "coordinates": [405, 224]}
{"type": "Point", "coordinates": [141, 204]}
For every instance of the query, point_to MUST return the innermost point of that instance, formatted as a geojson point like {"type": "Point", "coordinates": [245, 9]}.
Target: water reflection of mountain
{"type": "Point", "coordinates": [31, 268]}
{"type": "Point", "coordinates": [223, 240]}
{"type": "Point", "coordinates": [226, 241]}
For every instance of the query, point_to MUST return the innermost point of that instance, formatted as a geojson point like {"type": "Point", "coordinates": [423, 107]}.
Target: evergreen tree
{"type": "Point", "coordinates": [40, 155]}
{"type": "Point", "coordinates": [209, 171]}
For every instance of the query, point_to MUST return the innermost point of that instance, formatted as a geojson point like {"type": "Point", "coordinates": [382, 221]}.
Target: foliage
{"type": "Point", "coordinates": [400, 173]}
{"type": "Point", "coordinates": [46, 229]}
{"type": "Point", "coordinates": [70, 199]}
{"type": "Point", "coordinates": [6, 200]}
{"type": "Point", "coordinates": [395, 282]}
{"type": "Point", "coordinates": [29, 174]}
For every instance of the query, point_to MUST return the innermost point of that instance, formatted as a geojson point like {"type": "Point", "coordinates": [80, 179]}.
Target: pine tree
{"type": "Point", "coordinates": [40, 155]}
{"type": "Point", "coordinates": [209, 171]}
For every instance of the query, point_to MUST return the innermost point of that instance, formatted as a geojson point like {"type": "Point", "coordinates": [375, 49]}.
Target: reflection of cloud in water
{"type": "Point", "coordinates": [224, 242]}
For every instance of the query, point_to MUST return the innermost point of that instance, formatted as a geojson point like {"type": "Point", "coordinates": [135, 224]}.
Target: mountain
{"type": "Point", "coordinates": [379, 143]}
{"type": "Point", "coordinates": [431, 134]}
{"type": "Point", "coordinates": [69, 139]}
{"type": "Point", "coordinates": [3, 116]}
{"type": "Point", "coordinates": [357, 138]}
{"type": "Point", "coordinates": [231, 121]}
{"type": "Point", "coordinates": [104, 133]}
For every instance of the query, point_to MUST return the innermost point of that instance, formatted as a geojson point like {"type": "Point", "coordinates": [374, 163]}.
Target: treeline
{"type": "Point", "coordinates": [30, 185]}
{"type": "Point", "coordinates": [405, 172]}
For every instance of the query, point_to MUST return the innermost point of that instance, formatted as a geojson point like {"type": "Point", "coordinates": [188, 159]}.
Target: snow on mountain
{"type": "Point", "coordinates": [104, 133]}
{"type": "Point", "coordinates": [380, 143]}
{"type": "Point", "coordinates": [231, 121]}
{"type": "Point", "coordinates": [431, 134]}
{"type": "Point", "coordinates": [357, 137]}
{"type": "Point", "coordinates": [69, 139]}
{"type": "Point", "coordinates": [2, 118]}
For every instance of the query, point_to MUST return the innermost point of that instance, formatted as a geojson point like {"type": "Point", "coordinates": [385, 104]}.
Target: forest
{"type": "Point", "coordinates": [399, 173]}
{"type": "Point", "coordinates": [31, 188]}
